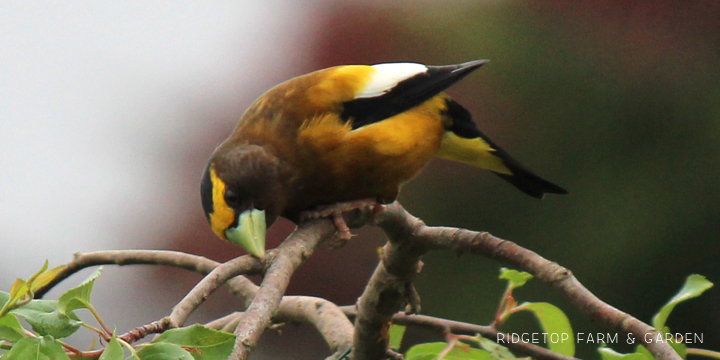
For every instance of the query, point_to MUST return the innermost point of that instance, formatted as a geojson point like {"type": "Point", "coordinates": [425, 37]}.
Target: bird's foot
{"type": "Point", "coordinates": [336, 212]}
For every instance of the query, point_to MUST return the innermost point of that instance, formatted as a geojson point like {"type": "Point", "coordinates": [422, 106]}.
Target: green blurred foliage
{"type": "Point", "coordinates": [617, 102]}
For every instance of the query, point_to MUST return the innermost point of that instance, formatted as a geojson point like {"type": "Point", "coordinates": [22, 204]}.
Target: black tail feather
{"type": "Point", "coordinates": [522, 178]}
{"type": "Point", "coordinates": [531, 184]}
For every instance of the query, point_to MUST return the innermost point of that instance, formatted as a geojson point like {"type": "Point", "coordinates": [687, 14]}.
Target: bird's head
{"type": "Point", "coordinates": [240, 195]}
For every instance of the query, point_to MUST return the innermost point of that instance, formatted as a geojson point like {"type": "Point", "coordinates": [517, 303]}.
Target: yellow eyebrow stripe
{"type": "Point", "coordinates": [223, 215]}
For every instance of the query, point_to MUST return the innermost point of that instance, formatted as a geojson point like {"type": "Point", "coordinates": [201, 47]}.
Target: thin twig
{"type": "Point", "coordinates": [107, 332]}
{"type": "Point", "coordinates": [176, 259]}
{"type": "Point", "coordinates": [703, 352]}
{"type": "Point", "coordinates": [327, 318]}
{"type": "Point", "coordinates": [225, 321]}
{"type": "Point", "coordinates": [155, 327]}
{"type": "Point", "coordinates": [75, 351]}
{"type": "Point", "coordinates": [216, 278]}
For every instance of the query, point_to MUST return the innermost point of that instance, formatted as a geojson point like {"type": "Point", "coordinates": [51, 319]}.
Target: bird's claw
{"type": "Point", "coordinates": [336, 211]}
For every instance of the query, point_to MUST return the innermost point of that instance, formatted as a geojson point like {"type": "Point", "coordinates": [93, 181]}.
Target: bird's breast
{"type": "Point", "coordinates": [341, 164]}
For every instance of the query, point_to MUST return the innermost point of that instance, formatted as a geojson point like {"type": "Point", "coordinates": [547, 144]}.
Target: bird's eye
{"type": "Point", "coordinates": [231, 198]}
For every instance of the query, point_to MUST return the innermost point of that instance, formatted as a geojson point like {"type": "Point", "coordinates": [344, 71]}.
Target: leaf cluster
{"type": "Point", "coordinates": [53, 320]}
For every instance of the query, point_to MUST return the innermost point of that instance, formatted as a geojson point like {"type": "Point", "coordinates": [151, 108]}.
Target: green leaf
{"type": "Point", "coordinates": [31, 280]}
{"type": "Point", "coordinates": [113, 350]}
{"type": "Point", "coordinates": [36, 348]}
{"type": "Point", "coordinates": [45, 319]}
{"type": "Point", "coordinates": [515, 278]}
{"type": "Point", "coordinates": [430, 351]}
{"type": "Point", "coordinates": [10, 328]}
{"type": "Point", "coordinates": [694, 286]}
{"type": "Point", "coordinates": [610, 354]}
{"type": "Point", "coordinates": [53, 323]}
{"type": "Point", "coordinates": [396, 335]}
{"type": "Point", "coordinates": [496, 350]}
{"type": "Point", "coordinates": [45, 278]}
{"type": "Point", "coordinates": [35, 275]}
{"type": "Point", "coordinates": [642, 350]}
{"type": "Point", "coordinates": [164, 351]}
{"type": "Point", "coordinates": [40, 305]}
{"type": "Point", "coordinates": [19, 295]}
{"type": "Point", "coordinates": [22, 291]}
{"type": "Point", "coordinates": [78, 297]}
{"type": "Point", "coordinates": [554, 322]}
{"type": "Point", "coordinates": [204, 343]}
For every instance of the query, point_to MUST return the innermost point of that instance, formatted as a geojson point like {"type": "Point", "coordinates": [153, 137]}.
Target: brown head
{"type": "Point", "coordinates": [241, 194]}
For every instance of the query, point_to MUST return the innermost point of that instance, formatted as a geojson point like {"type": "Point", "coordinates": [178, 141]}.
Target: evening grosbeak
{"type": "Point", "coordinates": [342, 134]}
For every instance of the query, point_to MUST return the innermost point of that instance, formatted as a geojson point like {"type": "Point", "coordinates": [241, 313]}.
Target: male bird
{"type": "Point", "coordinates": [342, 134]}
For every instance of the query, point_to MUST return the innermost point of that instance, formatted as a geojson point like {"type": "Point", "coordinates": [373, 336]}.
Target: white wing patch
{"type": "Point", "coordinates": [387, 76]}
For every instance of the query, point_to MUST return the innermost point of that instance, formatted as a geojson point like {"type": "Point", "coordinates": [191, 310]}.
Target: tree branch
{"type": "Point", "coordinates": [290, 254]}
{"type": "Point", "coordinates": [327, 318]}
{"type": "Point", "coordinates": [403, 228]}
{"type": "Point", "coordinates": [176, 259]}
{"type": "Point", "coordinates": [216, 278]}
{"type": "Point", "coordinates": [388, 290]}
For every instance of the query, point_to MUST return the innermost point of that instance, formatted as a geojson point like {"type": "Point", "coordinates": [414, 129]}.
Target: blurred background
{"type": "Point", "coordinates": [109, 111]}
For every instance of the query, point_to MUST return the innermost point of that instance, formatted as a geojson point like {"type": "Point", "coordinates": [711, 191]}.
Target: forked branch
{"type": "Point", "coordinates": [389, 289]}
{"type": "Point", "coordinates": [410, 235]}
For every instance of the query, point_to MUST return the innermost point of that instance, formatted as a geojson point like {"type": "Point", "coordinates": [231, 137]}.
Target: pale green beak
{"type": "Point", "coordinates": [250, 232]}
